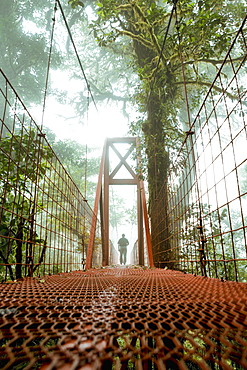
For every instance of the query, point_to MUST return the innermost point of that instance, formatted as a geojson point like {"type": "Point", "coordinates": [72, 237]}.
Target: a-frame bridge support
{"type": "Point", "coordinates": [107, 178]}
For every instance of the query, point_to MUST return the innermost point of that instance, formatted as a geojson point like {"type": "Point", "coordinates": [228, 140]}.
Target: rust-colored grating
{"type": "Point", "coordinates": [123, 319]}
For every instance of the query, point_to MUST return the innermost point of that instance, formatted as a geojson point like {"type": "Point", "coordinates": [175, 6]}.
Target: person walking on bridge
{"type": "Point", "coordinates": [122, 247]}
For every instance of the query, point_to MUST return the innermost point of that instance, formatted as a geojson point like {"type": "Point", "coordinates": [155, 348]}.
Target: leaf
{"type": "Point", "coordinates": [11, 282]}
{"type": "Point", "coordinates": [75, 3]}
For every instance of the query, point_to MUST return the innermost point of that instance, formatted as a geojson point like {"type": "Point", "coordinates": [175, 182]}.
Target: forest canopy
{"type": "Point", "coordinates": [175, 48]}
{"type": "Point", "coordinates": [156, 57]}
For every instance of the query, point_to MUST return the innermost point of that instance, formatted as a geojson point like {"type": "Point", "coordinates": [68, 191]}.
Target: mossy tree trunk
{"type": "Point", "coordinates": [154, 140]}
{"type": "Point", "coordinates": [158, 164]}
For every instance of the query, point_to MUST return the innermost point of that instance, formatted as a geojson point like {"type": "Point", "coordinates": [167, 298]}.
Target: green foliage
{"type": "Point", "coordinates": [131, 212]}
{"type": "Point", "coordinates": [19, 162]}
{"type": "Point", "coordinates": [24, 54]}
{"type": "Point", "coordinates": [203, 31]}
{"type": "Point", "coordinates": [78, 160]}
{"type": "Point", "coordinates": [195, 45]}
{"type": "Point", "coordinates": [220, 250]}
{"type": "Point", "coordinates": [75, 3]}
{"type": "Point", "coordinates": [117, 211]}
{"type": "Point", "coordinates": [20, 173]}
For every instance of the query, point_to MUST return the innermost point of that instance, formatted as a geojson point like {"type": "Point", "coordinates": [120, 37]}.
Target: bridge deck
{"type": "Point", "coordinates": [123, 318]}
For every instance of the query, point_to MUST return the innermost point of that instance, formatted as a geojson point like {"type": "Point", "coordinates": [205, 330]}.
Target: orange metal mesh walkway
{"type": "Point", "coordinates": [123, 319]}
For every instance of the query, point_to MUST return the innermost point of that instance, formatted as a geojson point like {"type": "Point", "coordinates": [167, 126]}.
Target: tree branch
{"type": "Point", "coordinates": [208, 84]}
{"type": "Point", "coordinates": [154, 45]}
{"type": "Point", "coordinates": [41, 256]}
{"type": "Point", "coordinates": [150, 30]}
{"type": "Point", "coordinates": [137, 38]}
{"type": "Point", "coordinates": [211, 61]}
{"type": "Point", "coordinates": [9, 267]}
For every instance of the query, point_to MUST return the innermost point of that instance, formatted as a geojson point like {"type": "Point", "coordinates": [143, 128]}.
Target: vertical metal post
{"type": "Point", "coordinates": [146, 223]}
{"type": "Point", "coordinates": [94, 216]}
{"type": "Point", "coordinates": [105, 257]}
{"type": "Point", "coordinates": [140, 228]}
{"type": "Point", "coordinates": [145, 212]}
{"type": "Point", "coordinates": [102, 224]}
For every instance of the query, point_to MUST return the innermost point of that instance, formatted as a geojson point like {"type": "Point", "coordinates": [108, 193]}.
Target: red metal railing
{"type": "Point", "coordinates": [102, 202]}
{"type": "Point", "coordinates": [207, 187]}
{"type": "Point", "coordinates": [44, 219]}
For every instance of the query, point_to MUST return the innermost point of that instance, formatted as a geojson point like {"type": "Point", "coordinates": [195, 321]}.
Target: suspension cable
{"type": "Point", "coordinates": [85, 182]}
{"type": "Point", "coordinates": [49, 63]}
{"type": "Point", "coordinates": [182, 66]}
{"type": "Point", "coordinates": [77, 55]}
{"type": "Point", "coordinates": [162, 49]}
{"type": "Point", "coordinates": [202, 237]}
{"type": "Point", "coordinates": [86, 152]}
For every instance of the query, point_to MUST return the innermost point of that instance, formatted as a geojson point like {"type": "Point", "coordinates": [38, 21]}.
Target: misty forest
{"type": "Point", "coordinates": [91, 69]}
{"type": "Point", "coordinates": [123, 184]}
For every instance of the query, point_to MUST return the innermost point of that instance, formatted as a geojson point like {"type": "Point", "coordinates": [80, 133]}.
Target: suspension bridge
{"type": "Point", "coordinates": [181, 303]}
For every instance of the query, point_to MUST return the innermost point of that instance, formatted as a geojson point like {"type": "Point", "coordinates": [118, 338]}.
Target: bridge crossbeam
{"type": "Point", "coordinates": [107, 178]}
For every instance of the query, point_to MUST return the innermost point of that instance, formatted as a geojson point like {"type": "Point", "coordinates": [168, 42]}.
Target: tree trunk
{"type": "Point", "coordinates": [158, 164]}
{"type": "Point", "coordinates": [18, 253]}
{"type": "Point", "coordinates": [158, 156]}
{"type": "Point", "coordinates": [8, 266]}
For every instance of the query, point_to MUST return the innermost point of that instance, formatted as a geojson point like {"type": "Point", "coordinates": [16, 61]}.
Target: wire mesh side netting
{"type": "Point", "coordinates": [207, 186]}
{"type": "Point", "coordinates": [44, 219]}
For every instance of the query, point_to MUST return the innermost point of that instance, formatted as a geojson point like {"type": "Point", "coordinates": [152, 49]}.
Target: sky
{"type": "Point", "coordinates": [92, 130]}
